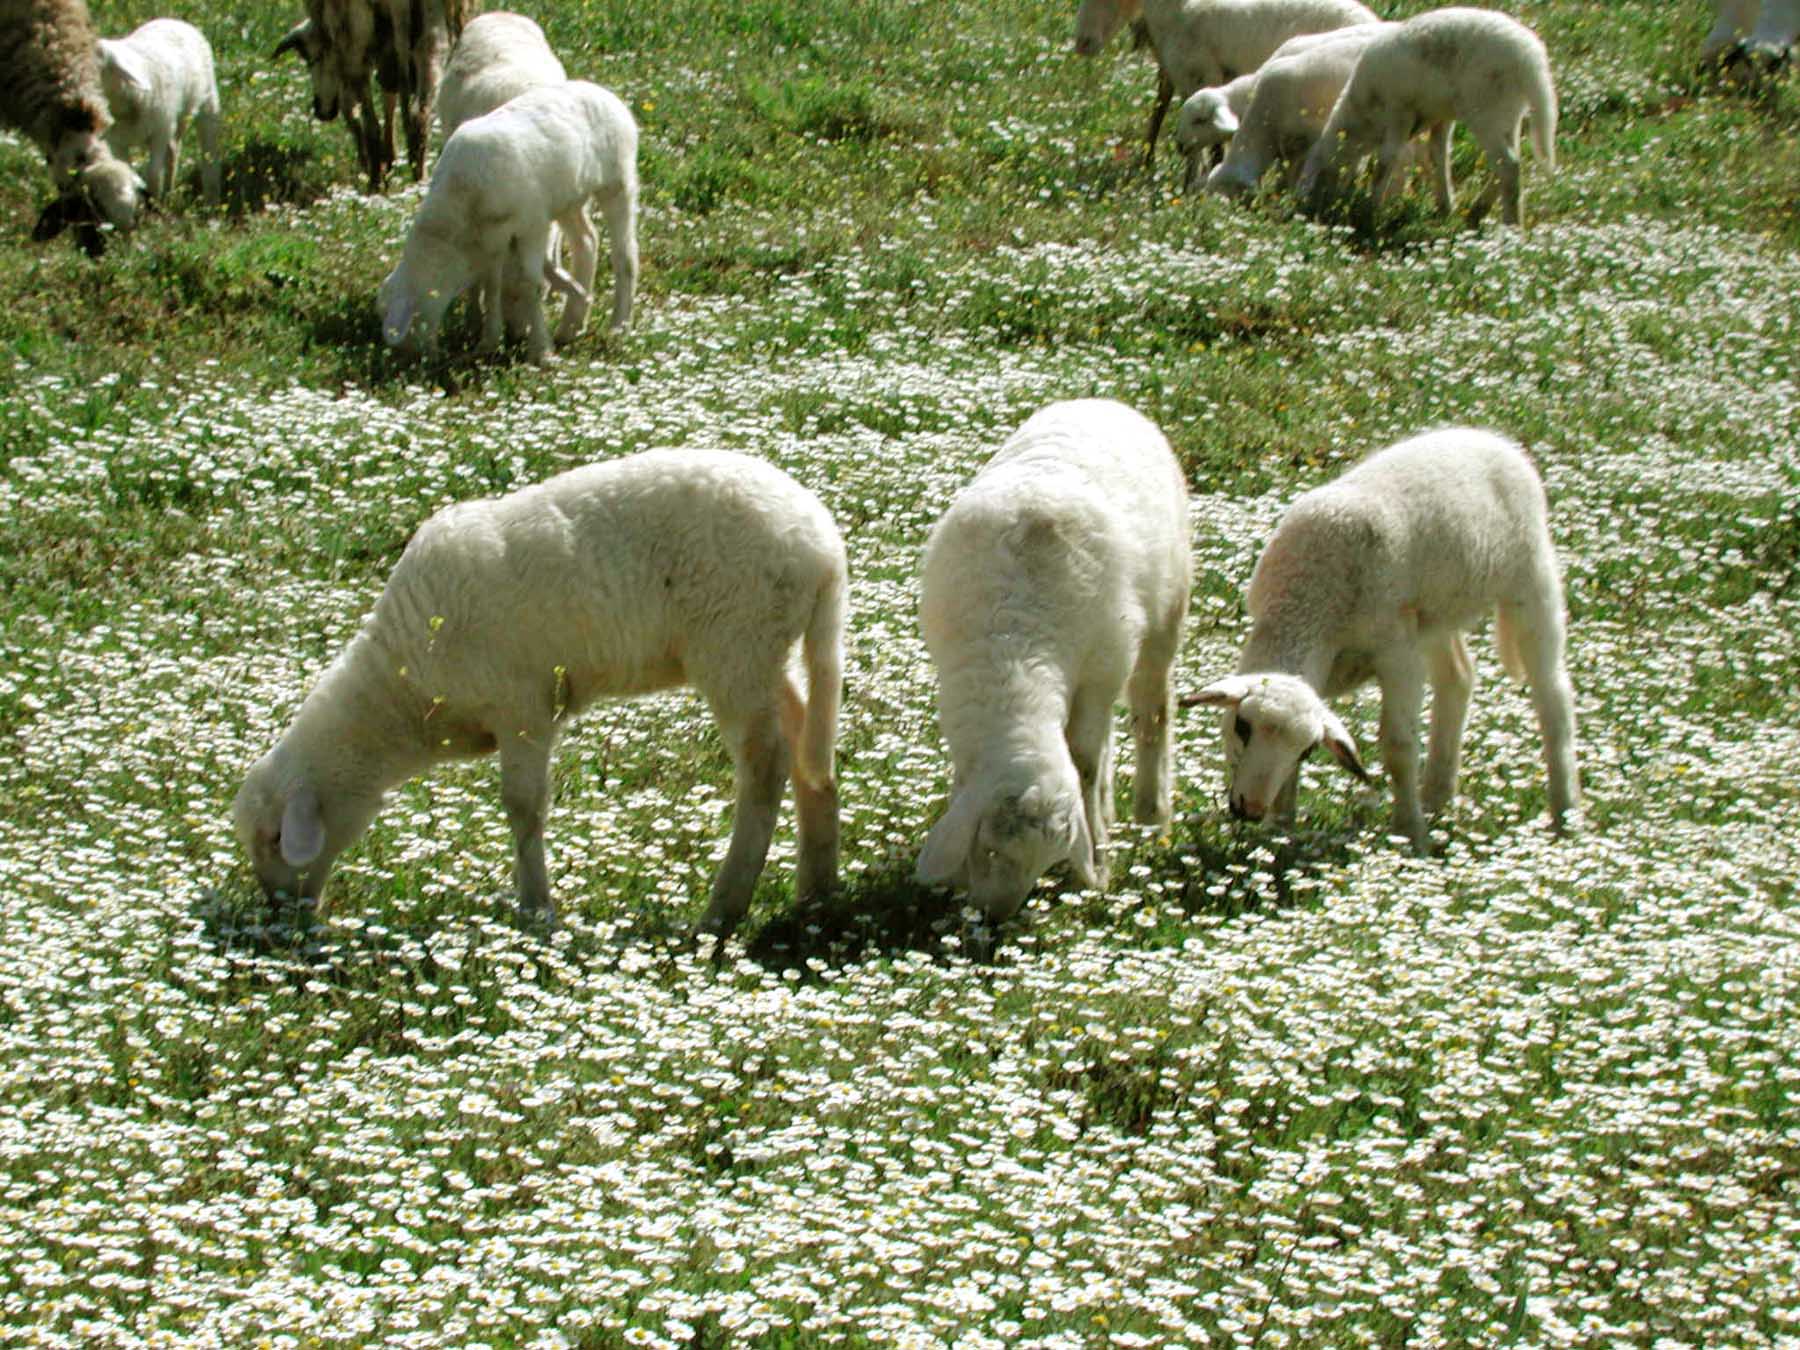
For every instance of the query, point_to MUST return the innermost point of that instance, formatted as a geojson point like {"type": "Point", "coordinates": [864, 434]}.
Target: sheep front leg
{"type": "Point", "coordinates": [759, 764]}
{"type": "Point", "coordinates": [1402, 680]}
{"type": "Point", "coordinates": [1453, 681]}
{"type": "Point", "coordinates": [533, 254]}
{"type": "Point", "coordinates": [491, 295]}
{"type": "Point", "coordinates": [207, 123]}
{"type": "Point", "coordinates": [525, 793]}
{"type": "Point", "coordinates": [1089, 737]}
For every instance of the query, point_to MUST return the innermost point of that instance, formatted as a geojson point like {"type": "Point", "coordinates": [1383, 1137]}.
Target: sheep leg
{"type": "Point", "coordinates": [1537, 630]}
{"type": "Point", "coordinates": [584, 257]}
{"type": "Point", "coordinates": [1402, 679]}
{"type": "Point", "coordinates": [1438, 148]}
{"type": "Point", "coordinates": [1453, 681]}
{"type": "Point", "coordinates": [1501, 146]}
{"type": "Point", "coordinates": [1152, 703]}
{"type": "Point", "coordinates": [760, 769]}
{"type": "Point", "coordinates": [620, 210]}
{"type": "Point", "coordinates": [534, 261]}
{"type": "Point", "coordinates": [1089, 738]}
{"type": "Point", "coordinates": [159, 173]}
{"type": "Point", "coordinates": [815, 809]}
{"type": "Point", "coordinates": [491, 292]}
{"type": "Point", "coordinates": [1390, 167]}
{"type": "Point", "coordinates": [207, 123]}
{"type": "Point", "coordinates": [525, 793]}
{"type": "Point", "coordinates": [1282, 810]}
{"type": "Point", "coordinates": [1165, 94]}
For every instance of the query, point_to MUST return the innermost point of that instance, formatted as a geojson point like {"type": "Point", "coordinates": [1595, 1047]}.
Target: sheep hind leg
{"type": "Point", "coordinates": [1534, 632]}
{"type": "Point", "coordinates": [206, 122]}
{"type": "Point", "coordinates": [760, 769]}
{"type": "Point", "coordinates": [584, 253]}
{"type": "Point", "coordinates": [815, 809]}
{"type": "Point", "coordinates": [1453, 681]}
{"type": "Point", "coordinates": [525, 793]}
{"type": "Point", "coordinates": [620, 210]}
{"type": "Point", "coordinates": [1502, 151]}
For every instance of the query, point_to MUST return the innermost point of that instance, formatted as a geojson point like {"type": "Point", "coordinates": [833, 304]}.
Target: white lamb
{"type": "Point", "coordinates": [1473, 66]}
{"type": "Point", "coordinates": [1376, 576]}
{"type": "Point", "coordinates": [504, 618]}
{"type": "Point", "coordinates": [1291, 100]}
{"type": "Point", "coordinates": [498, 57]}
{"type": "Point", "coordinates": [1201, 43]}
{"type": "Point", "coordinates": [502, 182]}
{"type": "Point", "coordinates": [1209, 119]}
{"type": "Point", "coordinates": [157, 80]}
{"type": "Point", "coordinates": [1056, 579]}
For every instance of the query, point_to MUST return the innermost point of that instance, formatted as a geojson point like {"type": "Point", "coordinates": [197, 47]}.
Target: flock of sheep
{"type": "Point", "coordinates": [1055, 583]}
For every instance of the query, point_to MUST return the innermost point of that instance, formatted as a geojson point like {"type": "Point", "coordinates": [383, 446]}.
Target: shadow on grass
{"type": "Point", "coordinates": [881, 913]}
{"type": "Point", "coordinates": [263, 173]}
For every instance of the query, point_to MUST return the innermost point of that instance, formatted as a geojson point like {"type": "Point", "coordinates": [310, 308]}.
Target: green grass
{"type": "Point", "coordinates": [1265, 1089]}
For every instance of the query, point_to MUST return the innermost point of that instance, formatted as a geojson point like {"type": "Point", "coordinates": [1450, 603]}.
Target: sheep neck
{"type": "Point", "coordinates": [362, 711]}
{"type": "Point", "coordinates": [1288, 639]}
{"type": "Point", "coordinates": [1012, 716]}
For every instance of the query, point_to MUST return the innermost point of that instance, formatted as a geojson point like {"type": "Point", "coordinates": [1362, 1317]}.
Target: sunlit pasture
{"type": "Point", "coordinates": [1267, 1089]}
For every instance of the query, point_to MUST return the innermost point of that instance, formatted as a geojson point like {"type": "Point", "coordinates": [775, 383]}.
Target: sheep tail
{"type": "Point", "coordinates": [823, 645]}
{"type": "Point", "coordinates": [1543, 115]}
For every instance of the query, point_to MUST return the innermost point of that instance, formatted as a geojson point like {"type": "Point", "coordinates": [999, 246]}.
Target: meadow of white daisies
{"type": "Point", "coordinates": [1267, 1090]}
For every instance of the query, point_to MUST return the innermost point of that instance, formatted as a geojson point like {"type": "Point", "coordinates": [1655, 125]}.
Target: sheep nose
{"type": "Point", "coordinates": [1237, 810]}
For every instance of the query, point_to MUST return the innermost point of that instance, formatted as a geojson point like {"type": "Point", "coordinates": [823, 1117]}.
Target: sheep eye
{"type": "Point", "coordinates": [1242, 728]}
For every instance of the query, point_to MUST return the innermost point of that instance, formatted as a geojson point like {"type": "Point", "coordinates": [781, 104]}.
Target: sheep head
{"type": "Point", "coordinates": [997, 841]}
{"type": "Point", "coordinates": [292, 827]}
{"type": "Point", "coordinates": [432, 272]}
{"type": "Point", "coordinates": [1270, 723]}
{"type": "Point", "coordinates": [308, 40]}
{"type": "Point", "coordinates": [1097, 20]}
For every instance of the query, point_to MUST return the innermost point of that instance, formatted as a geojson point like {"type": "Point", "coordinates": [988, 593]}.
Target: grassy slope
{"type": "Point", "coordinates": [1297, 1089]}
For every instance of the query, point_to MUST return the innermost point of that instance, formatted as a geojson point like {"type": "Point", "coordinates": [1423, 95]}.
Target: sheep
{"type": "Point", "coordinates": [1211, 117]}
{"type": "Point", "coordinates": [157, 80]}
{"type": "Point", "coordinates": [1753, 41]}
{"type": "Point", "coordinates": [1200, 43]}
{"type": "Point", "coordinates": [1376, 576]}
{"type": "Point", "coordinates": [1057, 577]}
{"type": "Point", "coordinates": [501, 182]}
{"type": "Point", "coordinates": [498, 56]}
{"type": "Point", "coordinates": [402, 44]}
{"type": "Point", "coordinates": [1469, 65]}
{"type": "Point", "coordinates": [1733, 22]}
{"type": "Point", "coordinates": [1291, 98]}
{"type": "Point", "coordinates": [504, 618]}
{"type": "Point", "coordinates": [52, 93]}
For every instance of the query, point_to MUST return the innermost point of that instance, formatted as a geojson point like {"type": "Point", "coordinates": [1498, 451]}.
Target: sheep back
{"type": "Point", "coordinates": [50, 76]}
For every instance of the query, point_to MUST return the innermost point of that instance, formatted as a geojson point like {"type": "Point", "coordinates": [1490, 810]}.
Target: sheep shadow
{"type": "Point", "coordinates": [261, 173]}
{"type": "Point", "coordinates": [882, 913]}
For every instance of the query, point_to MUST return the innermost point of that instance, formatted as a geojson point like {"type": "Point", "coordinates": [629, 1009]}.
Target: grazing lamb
{"type": "Point", "coordinates": [402, 45]}
{"type": "Point", "coordinates": [499, 56]}
{"type": "Point", "coordinates": [1200, 43]}
{"type": "Point", "coordinates": [1291, 100]}
{"type": "Point", "coordinates": [504, 618]}
{"type": "Point", "coordinates": [157, 80]}
{"type": "Point", "coordinates": [51, 92]}
{"type": "Point", "coordinates": [1057, 578]}
{"type": "Point", "coordinates": [1474, 66]}
{"type": "Point", "coordinates": [502, 182]}
{"type": "Point", "coordinates": [1212, 116]}
{"type": "Point", "coordinates": [1376, 576]}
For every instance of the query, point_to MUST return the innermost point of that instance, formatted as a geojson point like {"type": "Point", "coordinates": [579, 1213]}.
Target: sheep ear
{"type": "Point", "coordinates": [1343, 748]}
{"type": "Point", "coordinates": [55, 218]}
{"type": "Point", "coordinates": [1224, 120]}
{"type": "Point", "coordinates": [1081, 849]}
{"type": "Point", "coordinates": [302, 827]}
{"type": "Point", "coordinates": [398, 320]}
{"type": "Point", "coordinates": [946, 852]}
{"type": "Point", "coordinates": [122, 60]}
{"type": "Point", "coordinates": [1225, 693]}
{"type": "Point", "coordinates": [295, 41]}
{"type": "Point", "coordinates": [561, 281]}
